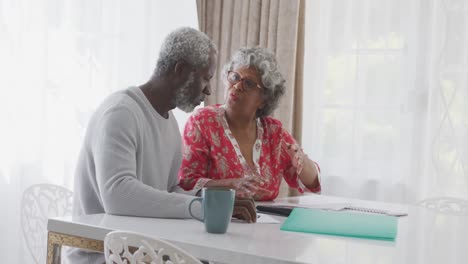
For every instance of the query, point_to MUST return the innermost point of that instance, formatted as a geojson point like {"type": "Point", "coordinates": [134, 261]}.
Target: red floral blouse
{"type": "Point", "coordinates": [211, 152]}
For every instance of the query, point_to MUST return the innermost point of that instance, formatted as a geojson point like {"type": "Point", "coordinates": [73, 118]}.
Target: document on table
{"type": "Point", "coordinates": [335, 207]}
{"type": "Point", "coordinates": [261, 219]}
{"type": "Point", "coordinates": [324, 206]}
{"type": "Point", "coordinates": [266, 219]}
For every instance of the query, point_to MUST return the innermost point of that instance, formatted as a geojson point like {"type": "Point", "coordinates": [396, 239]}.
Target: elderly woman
{"type": "Point", "coordinates": [237, 145]}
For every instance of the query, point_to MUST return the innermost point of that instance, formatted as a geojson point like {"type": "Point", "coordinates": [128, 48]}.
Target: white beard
{"type": "Point", "coordinates": [183, 101]}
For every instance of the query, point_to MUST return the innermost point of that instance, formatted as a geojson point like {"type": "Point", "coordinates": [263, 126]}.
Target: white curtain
{"type": "Point", "coordinates": [385, 92]}
{"type": "Point", "coordinates": [58, 60]}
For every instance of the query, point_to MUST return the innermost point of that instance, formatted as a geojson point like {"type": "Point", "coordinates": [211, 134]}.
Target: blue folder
{"type": "Point", "coordinates": [349, 224]}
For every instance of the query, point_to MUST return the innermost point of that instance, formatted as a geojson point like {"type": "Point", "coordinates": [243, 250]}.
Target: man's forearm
{"type": "Point", "coordinates": [132, 197]}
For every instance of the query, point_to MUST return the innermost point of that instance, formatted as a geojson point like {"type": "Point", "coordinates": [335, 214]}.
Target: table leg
{"type": "Point", "coordinates": [53, 251]}
{"type": "Point", "coordinates": [55, 241]}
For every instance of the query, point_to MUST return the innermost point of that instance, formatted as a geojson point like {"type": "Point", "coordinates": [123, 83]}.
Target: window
{"type": "Point", "coordinates": [386, 127]}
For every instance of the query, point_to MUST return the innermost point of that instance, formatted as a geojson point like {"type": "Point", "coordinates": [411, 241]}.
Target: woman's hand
{"type": "Point", "coordinates": [249, 187]}
{"type": "Point", "coordinates": [296, 154]}
{"type": "Point", "coordinates": [305, 168]}
{"type": "Point", "coordinates": [246, 188]}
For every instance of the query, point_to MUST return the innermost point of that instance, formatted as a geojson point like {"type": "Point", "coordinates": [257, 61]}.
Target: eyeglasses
{"type": "Point", "coordinates": [248, 84]}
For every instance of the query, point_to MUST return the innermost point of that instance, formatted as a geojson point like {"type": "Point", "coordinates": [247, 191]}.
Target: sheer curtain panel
{"type": "Point", "coordinates": [59, 59]}
{"type": "Point", "coordinates": [385, 92]}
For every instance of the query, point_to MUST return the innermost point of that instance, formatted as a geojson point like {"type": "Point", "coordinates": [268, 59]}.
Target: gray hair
{"type": "Point", "coordinates": [184, 44]}
{"type": "Point", "coordinates": [265, 63]}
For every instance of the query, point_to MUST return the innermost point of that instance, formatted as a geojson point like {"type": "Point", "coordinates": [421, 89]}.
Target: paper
{"type": "Point", "coordinates": [370, 226]}
{"type": "Point", "coordinates": [324, 206]}
{"type": "Point", "coordinates": [261, 219]}
{"type": "Point", "coordinates": [338, 207]}
{"type": "Point", "coordinates": [266, 219]}
{"type": "Point", "coordinates": [377, 211]}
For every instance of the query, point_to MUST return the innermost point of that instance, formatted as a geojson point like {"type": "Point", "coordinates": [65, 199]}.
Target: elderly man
{"type": "Point", "coordinates": [132, 150]}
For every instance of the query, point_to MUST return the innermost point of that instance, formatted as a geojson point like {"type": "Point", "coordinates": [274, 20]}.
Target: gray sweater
{"type": "Point", "coordinates": [128, 164]}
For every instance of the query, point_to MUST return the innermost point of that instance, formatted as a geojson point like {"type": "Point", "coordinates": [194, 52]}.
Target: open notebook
{"type": "Point", "coordinates": [284, 209]}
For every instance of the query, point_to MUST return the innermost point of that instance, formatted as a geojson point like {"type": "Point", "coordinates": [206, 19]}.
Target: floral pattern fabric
{"type": "Point", "coordinates": [211, 152]}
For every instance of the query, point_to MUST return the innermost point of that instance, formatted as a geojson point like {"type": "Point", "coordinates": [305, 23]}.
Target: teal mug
{"type": "Point", "coordinates": [217, 206]}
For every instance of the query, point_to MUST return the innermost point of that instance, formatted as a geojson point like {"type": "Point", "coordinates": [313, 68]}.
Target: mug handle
{"type": "Point", "coordinates": [190, 209]}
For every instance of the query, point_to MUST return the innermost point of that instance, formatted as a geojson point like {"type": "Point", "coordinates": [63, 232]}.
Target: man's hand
{"type": "Point", "coordinates": [244, 209]}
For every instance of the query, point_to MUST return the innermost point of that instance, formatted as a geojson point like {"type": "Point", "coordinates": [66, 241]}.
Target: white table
{"type": "Point", "coordinates": [423, 237]}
